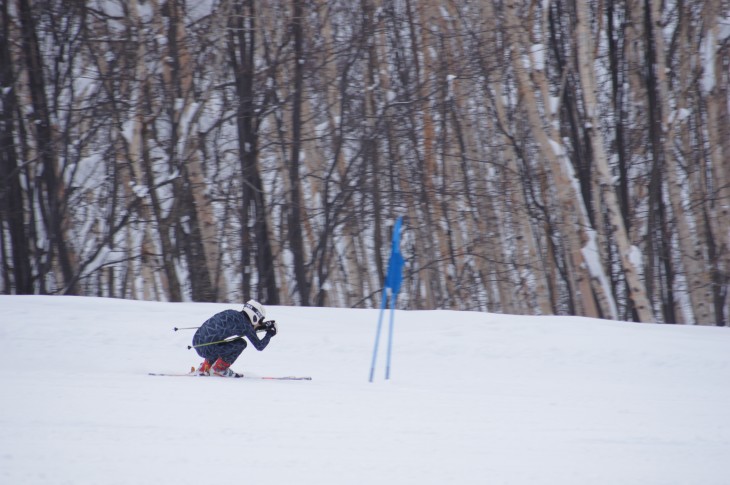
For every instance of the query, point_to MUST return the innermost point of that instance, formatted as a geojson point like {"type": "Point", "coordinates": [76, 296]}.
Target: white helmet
{"type": "Point", "coordinates": [255, 311]}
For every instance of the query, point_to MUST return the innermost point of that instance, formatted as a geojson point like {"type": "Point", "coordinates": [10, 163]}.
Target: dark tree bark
{"type": "Point", "coordinates": [242, 51]}
{"type": "Point", "coordinates": [295, 213]}
{"type": "Point", "coordinates": [11, 192]}
{"type": "Point", "coordinates": [53, 207]}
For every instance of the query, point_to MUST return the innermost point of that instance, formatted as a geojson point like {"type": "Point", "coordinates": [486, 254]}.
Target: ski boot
{"type": "Point", "coordinates": [204, 369]}
{"type": "Point", "coordinates": [223, 369]}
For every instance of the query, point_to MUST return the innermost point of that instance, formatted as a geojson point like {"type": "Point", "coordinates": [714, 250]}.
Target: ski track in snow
{"type": "Point", "coordinates": [474, 398]}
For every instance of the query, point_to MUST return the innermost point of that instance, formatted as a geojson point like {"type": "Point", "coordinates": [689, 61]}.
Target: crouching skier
{"type": "Point", "coordinates": [224, 325]}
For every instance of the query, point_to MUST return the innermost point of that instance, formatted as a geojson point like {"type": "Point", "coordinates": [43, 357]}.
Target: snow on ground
{"type": "Point", "coordinates": [474, 398]}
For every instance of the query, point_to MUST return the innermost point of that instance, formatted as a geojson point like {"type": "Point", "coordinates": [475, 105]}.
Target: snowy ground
{"type": "Point", "coordinates": [474, 398]}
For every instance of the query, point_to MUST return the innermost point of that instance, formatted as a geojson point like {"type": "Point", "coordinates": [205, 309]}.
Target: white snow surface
{"type": "Point", "coordinates": [474, 398]}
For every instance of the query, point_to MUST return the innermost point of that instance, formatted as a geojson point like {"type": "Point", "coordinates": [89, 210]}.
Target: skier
{"type": "Point", "coordinates": [232, 325]}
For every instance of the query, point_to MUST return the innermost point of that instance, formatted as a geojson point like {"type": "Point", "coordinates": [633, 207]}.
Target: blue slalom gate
{"type": "Point", "coordinates": [393, 282]}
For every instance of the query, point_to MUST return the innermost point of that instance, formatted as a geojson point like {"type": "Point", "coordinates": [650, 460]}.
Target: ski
{"type": "Point", "coordinates": [167, 374]}
{"type": "Point", "coordinates": [267, 378]}
{"type": "Point", "coordinates": [285, 378]}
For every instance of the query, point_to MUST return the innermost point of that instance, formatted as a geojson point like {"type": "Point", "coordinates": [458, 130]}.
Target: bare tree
{"type": "Point", "coordinates": [18, 276]}
{"type": "Point", "coordinates": [550, 157]}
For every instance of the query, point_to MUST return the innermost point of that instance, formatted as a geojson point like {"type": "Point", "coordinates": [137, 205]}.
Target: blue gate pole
{"type": "Point", "coordinates": [393, 299]}
{"type": "Point", "coordinates": [377, 333]}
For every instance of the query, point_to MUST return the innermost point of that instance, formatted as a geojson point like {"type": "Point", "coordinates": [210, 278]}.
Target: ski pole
{"type": "Point", "coordinates": [232, 338]}
{"type": "Point", "coordinates": [260, 329]}
{"type": "Point", "coordinates": [393, 299]}
{"type": "Point", "coordinates": [377, 333]}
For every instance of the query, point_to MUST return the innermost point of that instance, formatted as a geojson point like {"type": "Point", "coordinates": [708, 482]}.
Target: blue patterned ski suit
{"type": "Point", "coordinates": [221, 326]}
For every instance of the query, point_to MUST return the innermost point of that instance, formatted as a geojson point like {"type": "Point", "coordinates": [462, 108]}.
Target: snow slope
{"type": "Point", "coordinates": [474, 398]}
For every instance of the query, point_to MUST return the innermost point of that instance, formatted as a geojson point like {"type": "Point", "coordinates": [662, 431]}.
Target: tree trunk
{"type": "Point", "coordinates": [295, 209]}
{"type": "Point", "coordinates": [692, 248]}
{"type": "Point", "coordinates": [12, 210]}
{"type": "Point", "coordinates": [571, 201]}
{"type": "Point", "coordinates": [637, 292]}
{"type": "Point", "coordinates": [716, 85]}
{"type": "Point", "coordinates": [242, 47]}
{"type": "Point", "coordinates": [51, 201]}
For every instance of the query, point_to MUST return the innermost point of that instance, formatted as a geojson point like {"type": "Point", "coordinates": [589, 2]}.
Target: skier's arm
{"type": "Point", "coordinates": [260, 344]}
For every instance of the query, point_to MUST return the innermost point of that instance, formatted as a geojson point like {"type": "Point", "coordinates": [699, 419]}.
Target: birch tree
{"type": "Point", "coordinates": [584, 44]}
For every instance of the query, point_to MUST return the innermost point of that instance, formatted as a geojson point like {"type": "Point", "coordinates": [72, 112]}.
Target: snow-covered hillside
{"type": "Point", "coordinates": [474, 399]}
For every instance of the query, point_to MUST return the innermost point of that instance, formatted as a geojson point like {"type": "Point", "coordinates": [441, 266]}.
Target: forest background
{"type": "Point", "coordinates": [549, 157]}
